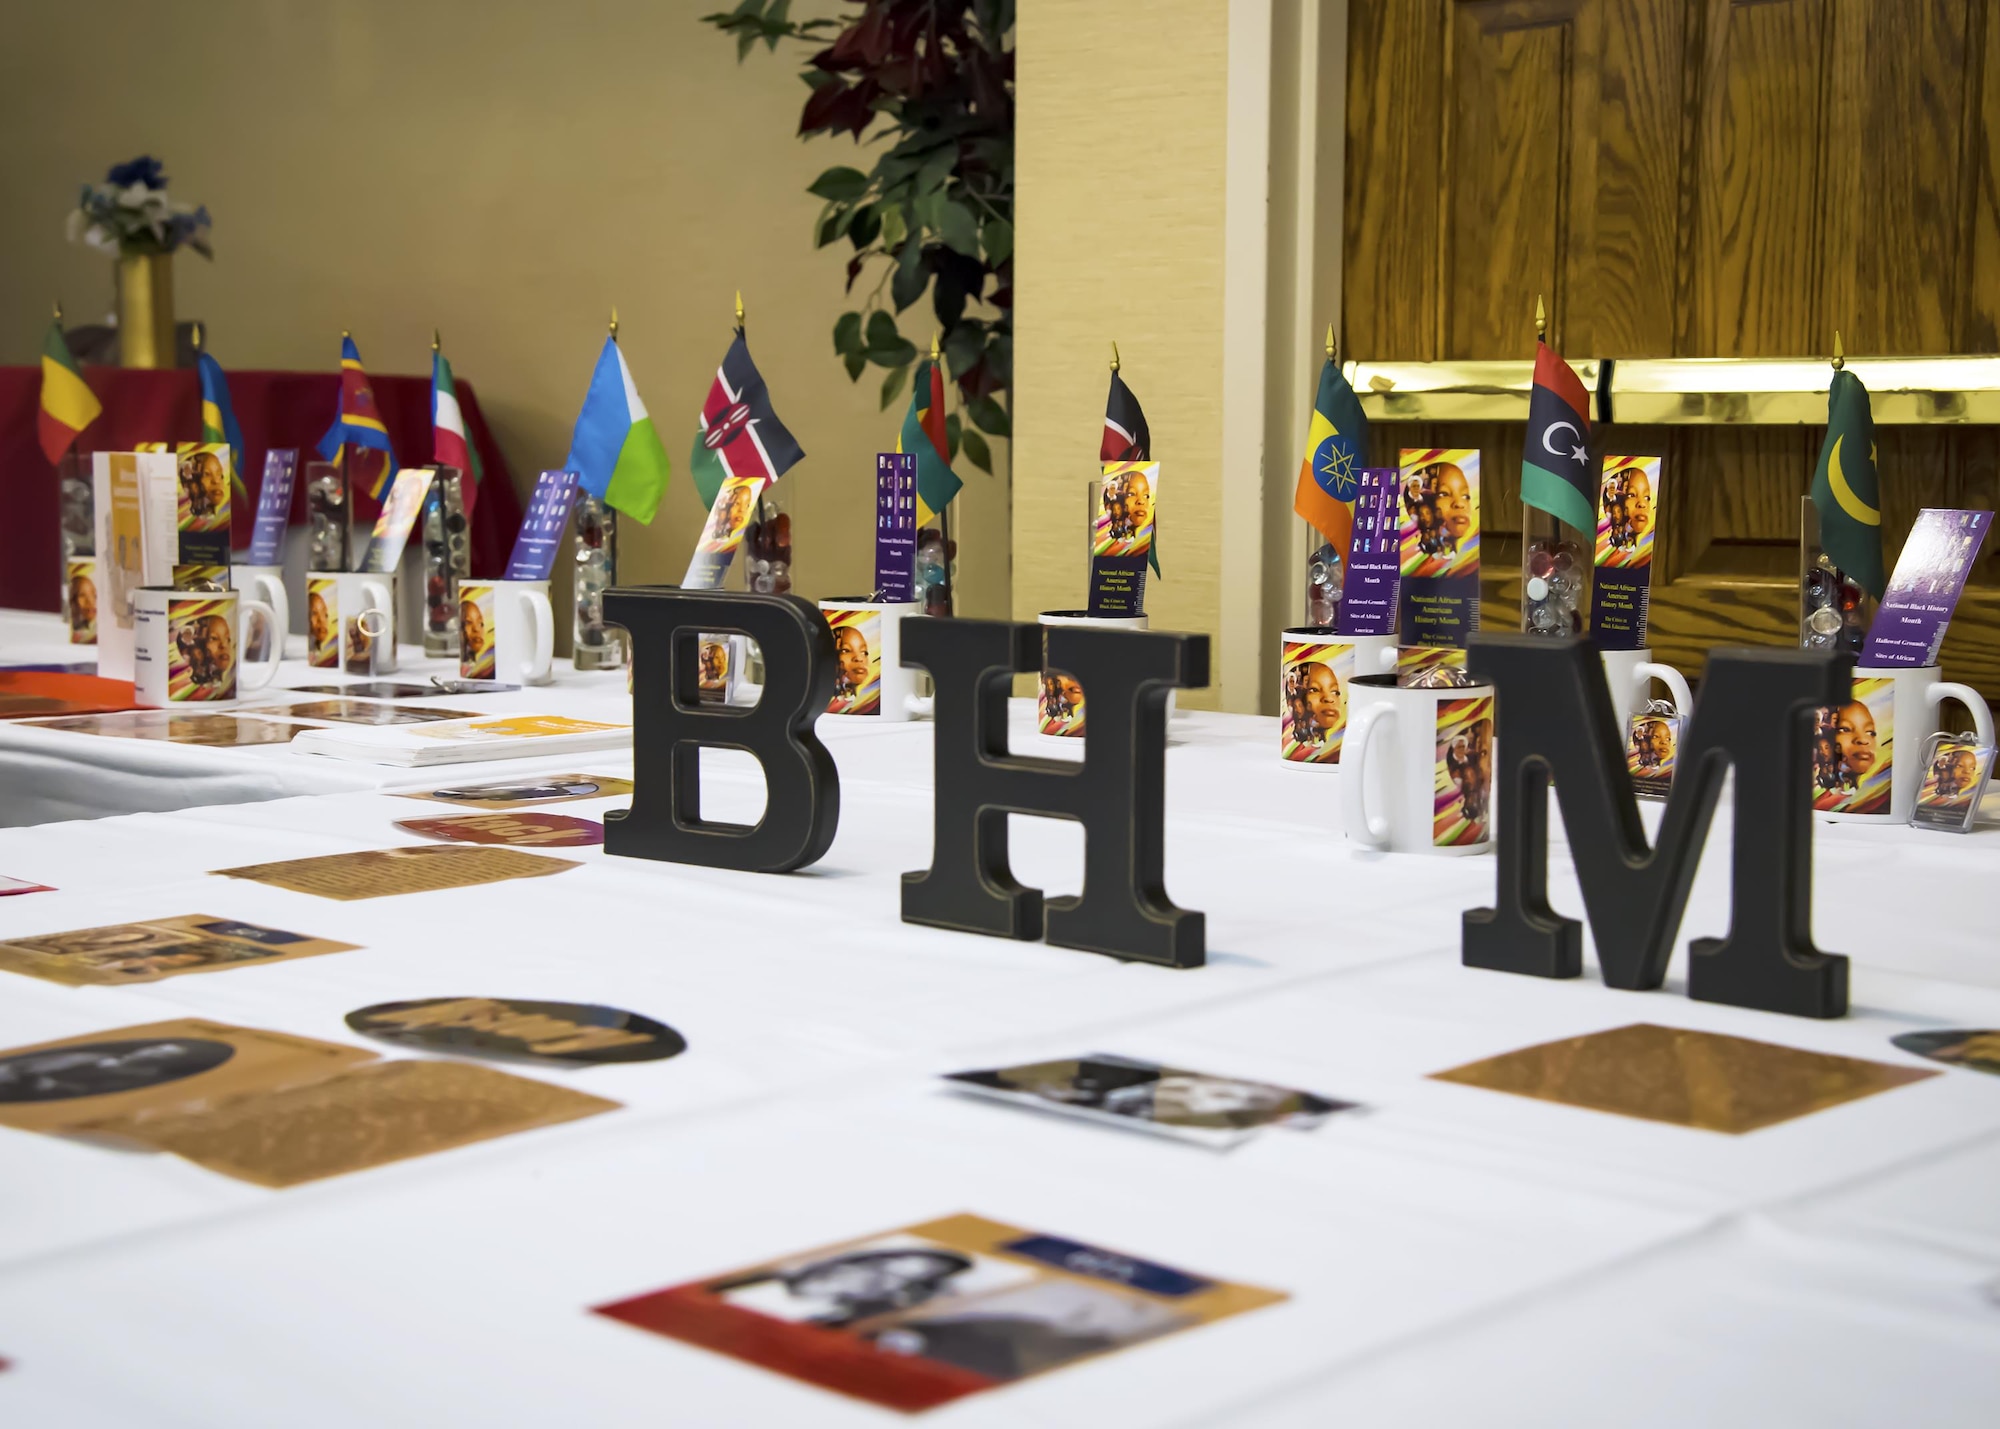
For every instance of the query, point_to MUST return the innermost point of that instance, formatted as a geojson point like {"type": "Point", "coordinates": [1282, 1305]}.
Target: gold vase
{"type": "Point", "coordinates": [146, 310]}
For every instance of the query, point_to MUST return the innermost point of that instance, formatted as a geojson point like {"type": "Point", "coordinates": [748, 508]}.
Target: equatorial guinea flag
{"type": "Point", "coordinates": [740, 434]}
{"type": "Point", "coordinates": [1555, 458]}
{"type": "Point", "coordinates": [68, 405]}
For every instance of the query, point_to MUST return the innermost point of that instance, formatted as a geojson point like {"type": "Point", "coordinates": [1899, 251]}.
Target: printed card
{"type": "Point", "coordinates": [515, 727]}
{"type": "Point", "coordinates": [895, 526]}
{"type": "Point", "coordinates": [523, 830]}
{"type": "Point", "coordinates": [1650, 749]}
{"type": "Point", "coordinates": [857, 648]}
{"type": "Point", "coordinates": [559, 1034]}
{"type": "Point", "coordinates": [380, 873]}
{"type": "Point", "coordinates": [201, 649]}
{"type": "Point", "coordinates": [715, 668]}
{"type": "Point", "coordinates": [1121, 536]}
{"type": "Point", "coordinates": [1464, 782]}
{"type": "Point", "coordinates": [524, 793]}
{"type": "Point", "coordinates": [478, 629]}
{"type": "Point", "coordinates": [361, 712]}
{"type": "Point", "coordinates": [542, 527]}
{"type": "Point", "coordinates": [396, 519]}
{"type": "Point", "coordinates": [1628, 505]}
{"type": "Point", "coordinates": [274, 507]}
{"type": "Point", "coordinates": [1374, 561]}
{"type": "Point", "coordinates": [202, 507]}
{"type": "Point", "coordinates": [1059, 702]}
{"type": "Point", "coordinates": [926, 1314]}
{"type": "Point", "coordinates": [210, 731]}
{"type": "Point", "coordinates": [1929, 578]}
{"type": "Point", "coordinates": [722, 533]}
{"type": "Point", "coordinates": [120, 546]}
{"type": "Point", "coordinates": [1438, 539]}
{"type": "Point", "coordinates": [1314, 718]}
{"type": "Point", "coordinates": [1173, 1101]}
{"type": "Point", "coordinates": [1955, 773]}
{"type": "Point", "coordinates": [1853, 750]}
{"type": "Point", "coordinates": [1977, 1050]}
{"type": "Point", "coordinates": [159, 948]}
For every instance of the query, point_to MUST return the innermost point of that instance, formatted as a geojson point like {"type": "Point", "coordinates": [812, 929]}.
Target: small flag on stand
{"type": "Point", "coordinates": [1126, 436]}
{"type": "Point", "coordinates": [923, 434]}
{"type": "Point", "coordinates": [615, 452]}
{"type": "Point", "coordinates": [1336, 450]}
{"type": "Point", "coordinates": [1845, 489]}
{"type": "Point", "coordinates": [218, 417]}
{"type": "Point", "coordinates": [358, 424]}
{"type": "Point", "coordinates": [740, 433]}
{"type": "Point", "coordinates": [449, 444]}
{"type": "Point", "coordinates": [1556, 474]}
{"type": "Point", "coordinates": [68, 404]}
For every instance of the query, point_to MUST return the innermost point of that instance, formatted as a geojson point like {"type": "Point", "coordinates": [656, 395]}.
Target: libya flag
{"type": "Point", "coordinates": [1844, 489]}
{"type": "Point", "coordinates": [68, 405]}
{"type": "Point", "coordinates": [1555, 457]}
{"type": "Point", "coordinates": [740, 435]}
{"type": "Point", "coordinates": [923, 434]}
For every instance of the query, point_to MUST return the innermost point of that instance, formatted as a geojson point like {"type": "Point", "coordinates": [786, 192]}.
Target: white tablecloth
{"type": "Point", "coordinates": [1453, 1256]}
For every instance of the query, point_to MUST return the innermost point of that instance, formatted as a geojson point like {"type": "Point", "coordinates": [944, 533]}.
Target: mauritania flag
{"type": "Point", "coordinates": [1844, 489]}
{"type": "Point", "coordinates": [1128, 438]}
{"type": "Point", "coordinates": [218, 421]}
{"type": "Point", "coordinates": [359, 424]}
{"type": "Point", "coordinates": [614, 451]}
{"type": "Point", "coordinates": [1336, 450]}
{"type": "Point", "coordinates": [449, 445]}
{"type": "Point", "coordinates": [68, 405]}
{"type": "Point", "coordinates": [923, 434]}
{"type": "Point", "coordinates": [740, 435]}
{"type": "Point", "coordinates": [1555, 455]}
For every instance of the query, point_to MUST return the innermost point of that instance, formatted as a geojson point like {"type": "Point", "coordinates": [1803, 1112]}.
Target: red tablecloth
{"type": "Point", "coordinates": [276, 409]}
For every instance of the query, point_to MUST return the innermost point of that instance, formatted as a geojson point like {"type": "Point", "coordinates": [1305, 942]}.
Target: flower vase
{"type": "Point", "coordinates": [146, 310]}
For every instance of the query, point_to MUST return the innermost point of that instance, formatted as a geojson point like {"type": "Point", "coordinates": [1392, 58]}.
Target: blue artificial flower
{"type": "Point", "coordinates": [143, 170]}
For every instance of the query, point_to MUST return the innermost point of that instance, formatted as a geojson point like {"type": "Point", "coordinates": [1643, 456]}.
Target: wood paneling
{"type": "Point", "coordinates": [1697, 178]}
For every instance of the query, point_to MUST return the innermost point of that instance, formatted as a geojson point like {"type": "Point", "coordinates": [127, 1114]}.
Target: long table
{"type": "Point", "coordinates": [1450, 1255]}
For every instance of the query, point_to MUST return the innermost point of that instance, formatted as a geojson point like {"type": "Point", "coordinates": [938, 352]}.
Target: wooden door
{"type": "Point", "coordinates": [1696, 178]}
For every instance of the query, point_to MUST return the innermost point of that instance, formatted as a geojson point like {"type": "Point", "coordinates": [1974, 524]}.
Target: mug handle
{"type": "Point", "coordinates": [1386, 658]}
{"type": "Point", "coordinates": [1353, 786]}
{"type": "Point", "coordinates": [270, 667]}
{"type": "Point", "coordinates": [543, 615]}
{"type": "Point", "coordinates": [1647, 671]}
{"type": "Point", "coordinates": [1982, 716]}
{"type": "Point", "coordinates": [272, 593]}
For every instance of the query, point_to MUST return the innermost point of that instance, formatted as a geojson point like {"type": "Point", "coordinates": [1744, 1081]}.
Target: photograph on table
{"type": "Point", "coordinates": [1439, 534]}
{"type": "Point", "coordinates": [561, 1034]}
{"type": "Point", "coordinates": [201, 649]}
{"type": "Point", "coordinates": [210, 731]}
{"type": "Point", "coordinates": [379, 873]}
{"type": "Point", "coordinates": [1059, 704]}
{"type": "Point", "coordinates": [1955, 772]}
{"type": "Point", "coordinates": [1626, 500]}
{"type": "Point", "coordinates": [857, 649]}
{"type": "Point", "coordinates": [520, 793]}
{"type": "Point", "coordinates": [344, 711]}
{"type": "Point", "coordinates": [80, 599]}
{"type": "Point", "coordinates": [1853, 750]}
{"type": "Point", "coordinates": [1313, 718]}
{"type": "Point", "coordinates": [476, 630]}
{"type": "Point", "coordinates": [1464, 782]}
{"type": "Point", "coordinates": [157, 948]}
{"type": "Point", "coordinates": [1127, 501]}
{"type": "Point", "coordinates": [322, 628]}
{"type": "Point", "coordinates": [919, 1316]}
{"type": "Point", "coordinates": [1975, 1049]}
{"type": "Point", "coordinates": [1131, 1093]}
{"type": "Point", "coordinates": [1650, 746]}
{"type": "Point", "coordinates": [1708, 1081]}
{"type": "Point", "coordinates": [523, 830]}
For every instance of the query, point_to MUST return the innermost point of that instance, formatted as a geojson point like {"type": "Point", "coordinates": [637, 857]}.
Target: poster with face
{"type": "Point", "coordinates": [1626, 501]}
{"type": "Point", "coordinates": [1312, 716]}
{"type": "Point", "coordinates": [1122, 525]}
{"type": "Point", "coordinates": [1059, 704]}
{"type": "Point", "coordinates": [1650, 747]}
{"type": "Point", "coordinates": [201, 649]}
{"type": "Point", "coordinates": [1464, 782]}
{"type": "Point", "coordinates": [322, 623]}
{"type": "Point", "coordinates": [1439, 532]}
{"type": "Point", "coordinates": [476, 607]}
{"type": "Point", "coordinates": [80, 600]}
{"type": "Point", "coordinates": [1852, 750]}
{"type": "Point", "coordinates": [857, 648]}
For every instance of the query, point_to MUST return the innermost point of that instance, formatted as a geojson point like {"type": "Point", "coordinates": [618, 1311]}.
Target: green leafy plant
{"type": "Point", "coordinates": [929, 84]}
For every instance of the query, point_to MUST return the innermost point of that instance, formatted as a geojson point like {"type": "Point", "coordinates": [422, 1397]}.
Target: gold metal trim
{"type": "Point", "coordinates": [1782, 391]}
{"type": "Point", "coordinates": [1458, 391]}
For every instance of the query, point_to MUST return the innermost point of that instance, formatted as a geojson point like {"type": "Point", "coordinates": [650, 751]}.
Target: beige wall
{"type": "Point", "coordinates": [506, 171]}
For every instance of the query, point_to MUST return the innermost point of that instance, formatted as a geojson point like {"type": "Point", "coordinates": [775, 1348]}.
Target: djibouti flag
{"type": "Point", "coordinates": [614, 451]}
{"type": "Point", "coordinates": [1555, 457]}
{"type": "Point", "coordinates": [1844, 488]}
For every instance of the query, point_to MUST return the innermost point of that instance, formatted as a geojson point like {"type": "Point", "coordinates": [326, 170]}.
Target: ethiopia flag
{"type": "Point", "coordinates": [1128, 438]}
{"type": "Point", "coordinates": [449, 446]}
{"type": "Point", "coordinates": [68, 405]}
{"type": "Point", "coordinates": [218, 421]}
{"type": "Point", "coordinates": [923, 434]}
{"type": "Point", "coordinates": [1555, 456]}
{"type": "Point", "coordinates": [740, 435]}
{"type": "Point", "coordinates": [1336, 450]}
{"type": "Point", "coordinates": [1844, 489]}
{"type": "Point", "coordinates": [614, 451]}
{"type": "Point", "coordinates": [358, 424]}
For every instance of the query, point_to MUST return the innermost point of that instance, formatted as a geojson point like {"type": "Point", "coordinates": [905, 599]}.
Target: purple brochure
{"type": "Point", "coordinates": [1923, 592]}
{"type": "Point", "coordinates": [895, 526]}
{"type": "Point", "coordinates": [542, 528]}
{"type": "Point", "coordinates": [274, 507]}
{"type": "Point", "coordinates": [1368, 598]}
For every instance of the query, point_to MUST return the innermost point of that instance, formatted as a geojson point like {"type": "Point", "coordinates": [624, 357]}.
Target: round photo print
{"type": "Point", "coordinates": [513, 1029]}
{"type": "Point", "coordinates": [97, 1069]}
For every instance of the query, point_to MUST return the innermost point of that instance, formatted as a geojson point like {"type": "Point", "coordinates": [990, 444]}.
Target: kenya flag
{"type": "Point", "coordinates": [740, 435]}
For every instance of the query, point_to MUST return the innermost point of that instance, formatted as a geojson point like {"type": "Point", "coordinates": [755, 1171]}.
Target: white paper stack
{"type": "Point", "coordinates": [463, 741]}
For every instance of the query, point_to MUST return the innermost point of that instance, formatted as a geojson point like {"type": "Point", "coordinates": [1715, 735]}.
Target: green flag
{"type": "Point", "coordinates": [1844, 489]}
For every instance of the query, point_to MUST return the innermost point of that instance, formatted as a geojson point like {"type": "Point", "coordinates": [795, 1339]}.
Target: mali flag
{"type": "Point", "coordinates": [358, 423]}
{"type": "Point", "coordinates": [68, 405]}
{"type": "Point", "coordinates": [218, 421]}
{"type": "Point", "coordinates": [740, 433]}
{"type": "Point", "coordinates": [1336, 450]}
{"type": "Point", "coordinates": [1555, 454]}
{"type": "Point", "coordinates": [1845, 491]}
{"type": "Point", "coordinates": [923, 434]}
{"type": "Point", "coordinates": [615, 452]}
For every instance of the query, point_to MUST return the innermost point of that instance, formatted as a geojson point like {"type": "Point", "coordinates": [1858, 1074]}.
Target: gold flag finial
{"type": "Point", "coordinates": [197, 334]}
{"type": "Point", "coordinates": [437, 341]}
{"type": "Point", "coordinates": [58, 307]}
{"type": "Point", "coordinates": [345, 334]}
{"type": "Point", "coordinates": [935, 354]}
{"type": "Point", "coordinates": [614, 322]}
{"type": "Point", "coordinates": [1541, 319]}
{"type": "Point", "coordinates": [1332, 344]}
{"type": "Point", "coordinates": [1839, 353]}
{"type": "Point", "coordinates": [739, 310]}
{"type": "Point", "coordinates": [1114, 354]}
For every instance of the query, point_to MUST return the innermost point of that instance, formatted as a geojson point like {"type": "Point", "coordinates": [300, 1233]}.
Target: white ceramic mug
{"type": "Point", "coordinates": [186, 646]}
{"type": "Point", "coordinates": [868, 651]}
{"type": "Point", "coordinates": [1631, 674]}
{"type": "Point", "coordinates": [1417, 767]}
{"type": "Point", "coordinates": [1059, 701]}
{"type": "Point", "coordinates": [1315, 667]}
{"type": "Point", "coordinates": [1856, 775]}
{"type": "Point", "coordinates": [506, 631]}
{"type": "Point", "coordinates": [351, 621]}
{"type": "Point", "coordinates": [266, 583]}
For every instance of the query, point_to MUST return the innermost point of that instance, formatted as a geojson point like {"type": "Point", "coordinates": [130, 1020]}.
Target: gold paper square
{"type": "Point", "coordinates": [1685, 1078]}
